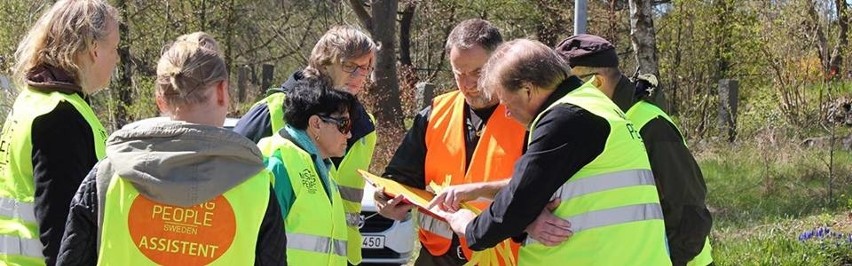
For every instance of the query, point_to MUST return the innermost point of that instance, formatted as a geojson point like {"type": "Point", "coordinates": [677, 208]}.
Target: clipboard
{"type": "Point", "coordinates": [415, 196]}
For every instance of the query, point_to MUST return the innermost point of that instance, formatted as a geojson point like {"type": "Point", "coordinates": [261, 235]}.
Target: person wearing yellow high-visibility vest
{"type": "Point", "coordinates": [581, 151]}
{"type": "Point", "coordinates": [344, 56]}
{"type": "Point", "coordinates": [52, 138]}
{"type": "Point", "coordinates": [318, 126]}
{"type": "Point", "coordinates": [680, 182]}
{"type": "Point", "coordinates": [180, 189]}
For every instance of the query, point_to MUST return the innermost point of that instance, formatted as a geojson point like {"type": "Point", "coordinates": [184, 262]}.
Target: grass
{"type": "Point", "coordinates": [763, 198]}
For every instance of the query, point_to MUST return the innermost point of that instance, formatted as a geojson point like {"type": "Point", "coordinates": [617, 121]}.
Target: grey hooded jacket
{"type": "Point", "coordinates": [175, 163]}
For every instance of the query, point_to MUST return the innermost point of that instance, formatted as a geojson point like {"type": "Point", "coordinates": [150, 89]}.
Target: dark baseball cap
{"type": "Point", "coordinates": [587, 50]}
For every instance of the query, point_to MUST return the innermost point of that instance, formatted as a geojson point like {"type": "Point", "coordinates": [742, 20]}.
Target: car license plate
{"type": "Point", "coordinates": [373, 242]}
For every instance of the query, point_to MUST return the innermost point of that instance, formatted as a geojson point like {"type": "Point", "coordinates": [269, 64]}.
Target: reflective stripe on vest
{"type": "Point", "coordinates": [614, 216]}
{"type": "Point", "coordinates": [349, 182]}
{"type": "Point", "coordinates": [435, 226]}
{"type": "Point", "coordinates": [22, 246]}
{"type": "Point", "coordinates": [611, 202]}
{"type": "Point", "coordinates": [351, 194]}
{"type": "Point", "coordinates": [500, 145]}
{"type": "Point", "coordinates": [319, 244]}
{"type": "Point", "coordinates": [640, 114]}
{"type": "Point", "coordinates": [351, 186]}
{"type": "Point", "coordinates": [18, 224]}
{"type": "Point", "coordinates": [20, 210]}
{"type": "Point", "coordinates": [604, 182]}
{"type": "Point", "coordinates": [313, 213]}
{"type": "Point", "coordinates": [353, 219]}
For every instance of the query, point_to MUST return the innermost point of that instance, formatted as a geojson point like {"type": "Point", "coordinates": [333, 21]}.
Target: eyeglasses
{"type": "Point", "coordinates": [352, 68]}
{"type": "Point", "coordinates": [344, 124]}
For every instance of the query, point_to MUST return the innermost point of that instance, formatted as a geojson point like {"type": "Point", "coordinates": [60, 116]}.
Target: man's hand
{"type": "Point", "coordinates": [451, 197]}
{"type": "Point", "coordinates": [458, 220]}
{"type": "Point", "coordinates": [549, 229]}
{"type": "Point", "coordinates": [393, 208]}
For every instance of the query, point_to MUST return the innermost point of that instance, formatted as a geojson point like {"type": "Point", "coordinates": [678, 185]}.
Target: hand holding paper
{"type": "Point", "coordinates": [393, 208]}
{"type": "Point", "coordinates": [417, 197]}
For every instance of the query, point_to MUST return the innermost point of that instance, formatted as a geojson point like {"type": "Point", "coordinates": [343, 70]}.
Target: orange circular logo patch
{"type": "Point", "coordinates": [171, 235]}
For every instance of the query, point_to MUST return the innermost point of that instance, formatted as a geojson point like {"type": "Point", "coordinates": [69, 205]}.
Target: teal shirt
{"type": "Point", "coordinates": [283, 187]}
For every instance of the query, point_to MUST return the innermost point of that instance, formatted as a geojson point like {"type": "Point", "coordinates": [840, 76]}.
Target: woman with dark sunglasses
{"type": "Point", "coordinates": [317, 129]}
{"type": "Point", "coordinates": [343, 57]}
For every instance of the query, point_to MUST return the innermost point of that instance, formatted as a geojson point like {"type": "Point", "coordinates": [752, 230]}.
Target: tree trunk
{"type": "Point", "coordinates": [229, 33]}
{"type": "Point", "coordinates": [821, 40]}
{"type": "Point", "coordinates": [836, 54]}
{"type": "Point", "coordinates": [364, 17]}
{"type": "Point", "coordinates": [642, 35]}
{"type": "Point", "coordinates": [405, 33]}
{"type": "Point", "coordinates": [643, 39]}
{"type": "Point", "coordinates": [124, 84]}
{"type": "Point", "coordinates": [384, 34]}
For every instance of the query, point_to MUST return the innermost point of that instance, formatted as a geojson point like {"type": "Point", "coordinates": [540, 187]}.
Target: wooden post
{"type": "Point", "coordinates": [424, 93]}
{"type": "Point", "coordinates": [266, 78]}
{"type": "Point", "coordinates": [242, 83]}
{"type": "Point", "coordinates": [728, 101]}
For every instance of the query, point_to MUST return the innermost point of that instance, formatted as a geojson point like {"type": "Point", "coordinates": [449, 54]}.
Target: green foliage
{"type": "Point", "coordinates": [777, 244]}
{"type": "Point", "coordinates": [762, 199]}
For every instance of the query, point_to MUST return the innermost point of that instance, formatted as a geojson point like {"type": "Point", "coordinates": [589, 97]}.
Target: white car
{"type": "Point", "coordinates": [385, 241]}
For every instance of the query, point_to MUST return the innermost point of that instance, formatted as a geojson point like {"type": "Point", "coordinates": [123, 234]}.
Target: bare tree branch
{"type": "Point", "coordinates": [361, 12]}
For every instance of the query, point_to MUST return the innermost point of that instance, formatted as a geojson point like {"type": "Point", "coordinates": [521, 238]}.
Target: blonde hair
{"type": "Point", "coordinates": [338, 44]}
{"type": "Point", "coordinates": [202, 38]}
{"type": "Point", "coordinates": [523, 62]}
{"type": "Point", "coordinates": [188, 67]}
{"type": "Point", "coordinates": [68, 28]}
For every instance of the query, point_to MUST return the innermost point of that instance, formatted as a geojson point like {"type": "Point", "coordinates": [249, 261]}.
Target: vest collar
{"type": "Point", "coordinates": [47, 78]}
{"type": "Point", "coordinates": [564, 88]}
{"type": "Point", "coordinates": [300, 138]}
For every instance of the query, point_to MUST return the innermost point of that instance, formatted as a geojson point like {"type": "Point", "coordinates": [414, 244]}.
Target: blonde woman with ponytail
{"type": "Point", "coordinates": [52, 138]}
{"type": "Point", "coordinates": [179, 189]}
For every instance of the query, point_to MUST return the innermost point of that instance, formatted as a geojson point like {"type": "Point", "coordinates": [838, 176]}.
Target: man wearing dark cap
{"type": "Point", "coordinates": [678, 177]}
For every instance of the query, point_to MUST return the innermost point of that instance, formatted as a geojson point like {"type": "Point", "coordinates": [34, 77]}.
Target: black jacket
{"type": "Point", "coordinates": [79, 245]}
{"type": "Point", "coordinates": [679, 180]}
{"type": "Point", "coordinates": [407, 165]}
{"type": "Point", "coordinates": [566, 139]}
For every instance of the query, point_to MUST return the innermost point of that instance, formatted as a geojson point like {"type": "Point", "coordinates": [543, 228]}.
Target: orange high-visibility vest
{"type": "Point", "coordinates": [500, 145]}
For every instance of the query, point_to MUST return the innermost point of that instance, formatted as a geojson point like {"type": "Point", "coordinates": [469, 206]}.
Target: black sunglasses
{"type": "Point", "coordinates": [344, 125]}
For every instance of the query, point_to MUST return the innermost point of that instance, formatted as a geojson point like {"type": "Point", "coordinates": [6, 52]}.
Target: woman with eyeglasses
{"type": "Point", "coordinates": [343, 57]}
{"type": "Point", "coordinates": [317, 129]}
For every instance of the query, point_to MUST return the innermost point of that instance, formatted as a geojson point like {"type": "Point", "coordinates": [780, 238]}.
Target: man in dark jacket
{"type": "Point", "coordinates": [678, 177]}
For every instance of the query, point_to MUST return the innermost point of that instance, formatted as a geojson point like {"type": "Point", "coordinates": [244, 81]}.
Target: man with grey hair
{"type": "Point", "coordinates": [450, 146]}
{"type": "Point", "coordinates": [582, 152]}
